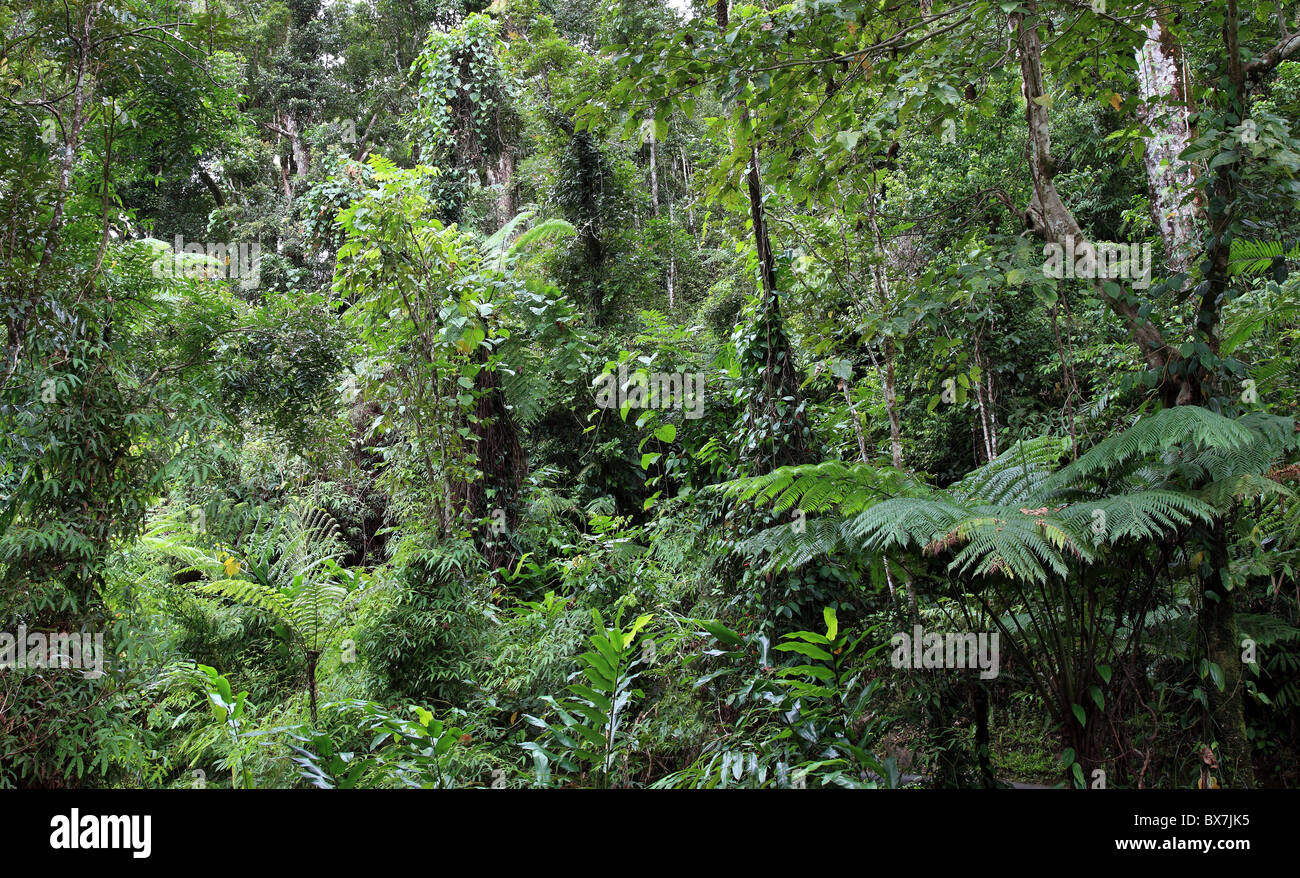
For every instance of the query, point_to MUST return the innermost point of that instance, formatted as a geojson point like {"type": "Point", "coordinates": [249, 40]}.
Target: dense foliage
{"type": "Point", "coordinates": [649, 394]}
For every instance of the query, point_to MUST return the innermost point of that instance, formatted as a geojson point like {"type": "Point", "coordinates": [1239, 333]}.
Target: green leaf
{"type": "Point", "coordinates": [601, 702]}
{"type": "Point", "coordinates": [1216, 675]}
{"type": "Point", "coordinates": [666, 433]}
{"type": "Point", "coordinates": [806, 649]}
{"type": "Point", "coordinates": [820, 672]}
{"type": "Point", "coordinates": [723, 633]}
{"type": "Point", "coordinates": [848, 139]}
{"type": "Point", "coordinates": [605, 658]}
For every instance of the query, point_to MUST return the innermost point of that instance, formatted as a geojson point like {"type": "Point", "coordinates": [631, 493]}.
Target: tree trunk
{"type": "Point", "coordinates": [296, 144]}
{"type": "Point", "coordinates": [880, 280]}
{"type": "Point", "coordinates": [312, 658]}
{"type": "Point", "coordinates": [503, 175]}
{"type": "Point", "coordinates": [503, 463]}
{"type": "Point", "coordinates": [686, 186]}
{"type": "Point", "coordinates": [1047, 213]}
{"type": "Point", "coordinates": [654, 180]}
{"type": "Point", "coordinates": [672, 277]}
{"type": "Point", "coordinates": [980, 699]}
{"type": "Point", "coordinates": [988, 415]}
{"type": "Point", "coordinates": [672, 250]}
{"type": "Point", "coordinates": [891, 406]}
{"type": "Point", "coordinates": [1165, 109]}
{"type": "Point", "coordinates": [857, 421]}
{"type": "Point", "coordinates": [780, 379]}
{"type": "Point", "coordinates": [1217, 625]}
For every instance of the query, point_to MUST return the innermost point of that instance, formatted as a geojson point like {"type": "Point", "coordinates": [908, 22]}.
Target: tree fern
{"type": "Point", "coordinates": [504, 247]}
{"type": "Point", "coordinates": [1146, 515]}
{"type": "Point", "coordinates": [1177, 429]}
{"type": "Point", "coordinates": [285, 566]}
{"type": "Point", "coordinates": [1017, 517]}
{"type": "Point", "coordinates": [1035, 533]}
{"type": "Point", "coordinates": [814, 488]}
{"type": "Point", "coordinates": [1016, 475]}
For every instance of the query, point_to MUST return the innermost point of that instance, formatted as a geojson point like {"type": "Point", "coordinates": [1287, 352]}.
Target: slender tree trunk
{"type": "Point", "coordinates": [313, 658]}
{"type": "Point", "coordinates": [654, 180]}
{"type": "Point", "coordinates": [988, 417]}
{"type": "Point", "coordinates": [984, 424]}
{"type": "Point", "coordinates": [213, 188]}
{"type": "Point", "coordinates": [857, 421]}
{"type": "Point", "coordinates": [891, 406]}
{"type": "Point", "coordinates": [980, 699]}
{"type": "Point", "coordinates": [672, 250]}
{"type": "Point", "coordinates": [672, 272]}
{"type": "Point", "coordinates": [503, 175]}
{"type": "Point", "coordinates": [363, 145]}
{"type": "Point", "coordinates": [758, 216]}
{"type": "Point", "coordinates": [780, 380]}
{"type": "Point", "coordinates": [686, 187]}
{"type": "Point", "coordinates": [880, 279]}
{"type": "Point", "coordinates": [284, 179]}
{"type": "Point", "coordinates": [299, 149]}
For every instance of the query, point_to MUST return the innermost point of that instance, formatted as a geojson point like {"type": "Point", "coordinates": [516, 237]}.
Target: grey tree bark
{"type": "Point", "coordinates": [1165, 109]}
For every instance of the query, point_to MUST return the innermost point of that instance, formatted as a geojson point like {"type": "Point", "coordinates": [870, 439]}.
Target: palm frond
{"type": "Point", "coordinates": [1256, 257]}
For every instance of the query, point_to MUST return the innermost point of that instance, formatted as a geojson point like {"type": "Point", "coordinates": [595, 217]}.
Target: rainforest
{"type": "Point", "coordinates": [630, 394]}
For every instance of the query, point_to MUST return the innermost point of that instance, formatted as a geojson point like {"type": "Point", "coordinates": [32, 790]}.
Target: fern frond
{"type": "Point", "coordinates": [551, 228]}
{"type": "Point", "coordinates": [787, 547]}
{"type": "Point", "coordinates": [1266, 630]}
{"type": "Point", "coordinates": [1141, 515]}
{"type": "Point", "coordinates": [529, 392]}
{"type": "Point", "coordinates": [1225, 493]}
{"type": "Point", "coordinates": [497, 243]}
{"type": "Point", "coordinates": [1016, 544]}
{"type": "Point", "coordinates": [253, 594]}
{"type": "Point", "coordinates": [832, 485]}
{"type": "Point", "coordinates": [1014, 475]}
{"type": "Point", "coordinates": [905, 522]}
{"type": "Point", "coordinates": [1166, 430]}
